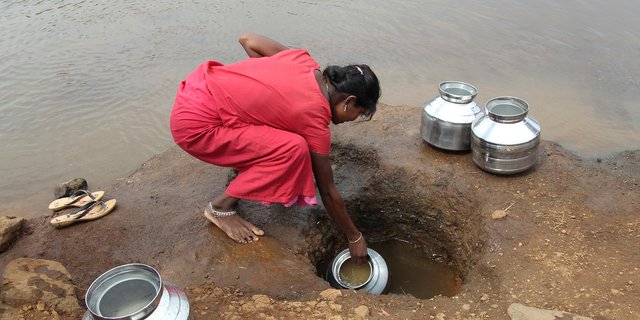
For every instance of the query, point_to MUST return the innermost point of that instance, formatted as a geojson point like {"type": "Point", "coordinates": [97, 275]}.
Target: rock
{"type": "Point", "coordinates": [521, 312]}
{"type": "Point", "coordinates": [9, 229]}
{"type": "Point", "coordinates": [498, 214]}
{"type": "Point", "coordinates": [361, 311]}
{"type": "Point", "coordinates": [331, 294]}
{"type": "Point", "coordinates": [8, 312]}
{"type": "Point", "coordinates": [261, 301]}
{"type": "Point", "coordinates": [65, 189]}
{"type": "Point", "coordinates": [261, 298]}
{"type": "Point", "coordinates": [37, 281]}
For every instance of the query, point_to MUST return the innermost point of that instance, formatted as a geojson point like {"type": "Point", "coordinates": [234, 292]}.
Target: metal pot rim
{"type": "Point", "coordinates": [340, 260]}
{"type": "Point", "coordinates": [457, 98]}
{"type": "Point", "coordinates": [119, 271]}
{"type": "Point", "coordinates": [504, 118]}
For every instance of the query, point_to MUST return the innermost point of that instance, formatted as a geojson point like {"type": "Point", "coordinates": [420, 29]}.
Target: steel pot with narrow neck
{"type": "Point", "coordinates": [505, 140]}
{"type": "Point", "coordinates": [446, 120]}
{"type": "Point", "coordinates": [135, 291]}
{"type": "Point", "coordinates": [374, 282]}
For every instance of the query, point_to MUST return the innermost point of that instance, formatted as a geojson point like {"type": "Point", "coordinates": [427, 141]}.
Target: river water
{"type": "Point", "coordinates": [87, 86]}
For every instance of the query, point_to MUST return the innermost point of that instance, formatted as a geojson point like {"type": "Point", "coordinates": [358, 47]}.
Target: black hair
{"type": "Point", "coordinates": [357, 80]}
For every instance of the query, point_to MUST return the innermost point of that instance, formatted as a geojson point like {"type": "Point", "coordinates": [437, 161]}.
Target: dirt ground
{"type": "Point", "coordinates": [570, 240]}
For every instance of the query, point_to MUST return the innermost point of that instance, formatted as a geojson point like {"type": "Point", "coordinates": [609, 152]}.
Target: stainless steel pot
{"type": "Point", "coordinates": [378, 278]}
{"type": "Point", "coordinates": [505, 140]}
{"type": "Point", "coordinates": [134, 291]}
{"type": "Point", "coordinates": [446, 120]}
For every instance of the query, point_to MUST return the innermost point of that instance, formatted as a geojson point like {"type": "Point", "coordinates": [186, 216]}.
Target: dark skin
{"type": "Point", "coordinates": [343, 109]}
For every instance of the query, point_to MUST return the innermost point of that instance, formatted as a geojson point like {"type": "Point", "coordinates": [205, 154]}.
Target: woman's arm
{"type": "Point", "coordinates": [332, 201]}
{"type": "Point", "coordinates": [257, 46]}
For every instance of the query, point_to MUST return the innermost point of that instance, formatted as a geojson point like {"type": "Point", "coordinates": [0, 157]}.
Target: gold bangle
{"type": "Point", "coordinates": [355, 241]}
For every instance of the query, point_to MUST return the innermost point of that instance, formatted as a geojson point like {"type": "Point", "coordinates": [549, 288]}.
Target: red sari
{"type": "Point", "coordinates": [261, 116]}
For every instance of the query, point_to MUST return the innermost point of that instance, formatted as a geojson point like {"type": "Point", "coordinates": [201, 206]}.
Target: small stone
{"type": "Point", "coordinates": [466, 307]}
{"type": "Point", "coordinates": [9, 230]}
{"type": "Point", "coordinates": [331, 294]}
{"type": "Point", "coordinates": [498, 214]}
{"type": "Point", "coordinates": [218, 292]}
{"type": "Point", "coordinates": [66, 189]}
{"type": "Point", "coordinates": [40, 305]}
{"type": "Point", "coordinates": [261, 298]}
{"type": "Point", "coordinates": [484, 297]}
{"type": "Point", "coordinates": [361, 311]}
{"type": "Point", "coordinates": [518, 311]}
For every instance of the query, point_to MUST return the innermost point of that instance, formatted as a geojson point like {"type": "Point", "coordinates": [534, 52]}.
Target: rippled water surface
{"type": "Point", "coordinates": [87, 86]}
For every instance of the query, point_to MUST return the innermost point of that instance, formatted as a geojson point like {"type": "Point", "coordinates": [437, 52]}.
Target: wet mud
{"type": "Point", "coordinates": [567, 238]}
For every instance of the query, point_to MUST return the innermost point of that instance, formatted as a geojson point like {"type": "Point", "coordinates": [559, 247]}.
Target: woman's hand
{"type": "Point", "coordinates": [257, 46]}
{"type": "Point", "coordinates": [334, 204]}
{"type": "Point", "coordinates": [358, 250]}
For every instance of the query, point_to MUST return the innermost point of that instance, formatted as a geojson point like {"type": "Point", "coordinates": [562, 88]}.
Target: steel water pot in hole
{"type": "Point", "coordinates": [134, 291]}
{"type": "Point", "coordinates": [505, 140]}
{"type": "Point", "coordinates": [373, 278]}
{"type": "Point", "coordinates": [446, 120]}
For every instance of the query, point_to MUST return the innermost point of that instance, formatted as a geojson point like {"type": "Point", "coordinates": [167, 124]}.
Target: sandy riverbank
{"type": "Point", "coordinates": [571, 240]}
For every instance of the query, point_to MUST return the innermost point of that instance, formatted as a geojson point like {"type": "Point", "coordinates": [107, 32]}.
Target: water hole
{"type": "Point", "coordinates": [426, 228]}
{"type": "Point", "coordinates": [411, 271]}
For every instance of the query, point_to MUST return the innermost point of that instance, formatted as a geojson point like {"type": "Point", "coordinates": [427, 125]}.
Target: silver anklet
{"type": "Point", "coordinates": [219, 214]}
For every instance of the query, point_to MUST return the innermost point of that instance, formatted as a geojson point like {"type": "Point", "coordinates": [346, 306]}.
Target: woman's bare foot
{"type": "Point", "coordinates": [235, 227]}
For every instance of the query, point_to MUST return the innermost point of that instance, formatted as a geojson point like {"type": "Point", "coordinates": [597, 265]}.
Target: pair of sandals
{"type": "Point", "coordinates": [89, 207]}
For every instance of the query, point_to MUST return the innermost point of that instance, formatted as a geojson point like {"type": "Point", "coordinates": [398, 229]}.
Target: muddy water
{"type": "Point", "coordinates": [412, 272]}
{"type": "Point", "coordinates": [87, 86]}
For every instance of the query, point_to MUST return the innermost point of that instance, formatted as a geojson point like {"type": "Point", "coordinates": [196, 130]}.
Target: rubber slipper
{"type": "Point", "coordinates": [90, 211]}
{"type": "Point", "coordinates": [77, 199]}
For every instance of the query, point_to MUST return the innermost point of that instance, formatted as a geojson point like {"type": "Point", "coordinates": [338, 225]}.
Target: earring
{"type": "Point", "coordinates": [345, 107]}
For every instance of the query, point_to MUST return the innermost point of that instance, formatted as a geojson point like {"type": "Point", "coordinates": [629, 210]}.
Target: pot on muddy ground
{"type": "Point", "coordinates": [446, 120]}
{"type": "Point", "coordinates": [505, 141]}
{"type": "Point", "coordinates": [371, 277]}
{"type": "Point", "coordinates": [134, 291]}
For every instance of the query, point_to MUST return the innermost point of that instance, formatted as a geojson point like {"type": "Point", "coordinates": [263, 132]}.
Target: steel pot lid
{"type": "Point", "coordinates": [457, 92]}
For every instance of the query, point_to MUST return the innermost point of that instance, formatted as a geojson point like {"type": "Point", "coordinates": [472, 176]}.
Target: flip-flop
{"type": "Point", "coordinates": [77, 199]}
{"type": "Point", "coordinates": [90, 211]}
